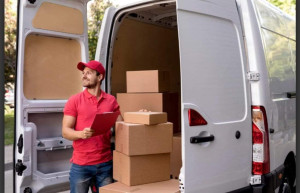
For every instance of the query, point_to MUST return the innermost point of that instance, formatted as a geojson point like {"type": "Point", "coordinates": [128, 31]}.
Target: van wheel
{"type": "Point", "coordinates": [289, 175]}
{"type": "Point", "coordinates": [286, 186]}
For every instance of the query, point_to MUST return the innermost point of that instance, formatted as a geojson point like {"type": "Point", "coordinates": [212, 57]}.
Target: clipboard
{"type": "Point", "coordinates": [103, 122]}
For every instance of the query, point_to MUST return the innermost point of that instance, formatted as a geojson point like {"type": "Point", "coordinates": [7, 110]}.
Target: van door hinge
{"type": "Point", "coordinates": [20, 144]}
{"type": "Point", "coordinates": [181, 185]}
{"type": "Point", "coordinates": [20, 167]}
{"type": "Point", "coordinates": [253, 76]}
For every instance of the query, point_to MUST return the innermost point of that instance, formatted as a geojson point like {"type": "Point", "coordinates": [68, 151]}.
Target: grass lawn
{"type": "Point", "coordinates": [9, 126]}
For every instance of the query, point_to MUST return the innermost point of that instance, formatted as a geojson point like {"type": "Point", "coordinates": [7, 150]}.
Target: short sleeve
{"type": "Point", "coordinates": [70, 107]}
{"type": "Point", "coordinates": [116, 107]}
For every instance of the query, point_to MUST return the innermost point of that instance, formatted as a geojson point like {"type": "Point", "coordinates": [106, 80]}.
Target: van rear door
{"type": "Point", "coordinates": [103, 42]}
{"type": "Point", "coordinates": [52, 39]}
{"type": "Point", "coordinates": [217, 155]}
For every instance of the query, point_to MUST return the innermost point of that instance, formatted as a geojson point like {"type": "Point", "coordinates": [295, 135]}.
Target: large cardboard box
{"type": "Point", "coordinates": [147, 118]}
{"type": "Point", "coordinates": [169, 186]}
{"type": "Point", "coordinates": [155, 102]}
{"type": "Point", "coordinates": [138, 139]}
{"type": "Point", "coordinates": [176, 160]}
{"type": "Point", "coordinates": [147, 81]}
{"type": "Point", "coordinates": [141, 169]}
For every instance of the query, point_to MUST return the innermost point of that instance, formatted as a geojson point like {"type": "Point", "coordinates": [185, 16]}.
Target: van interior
{"type": "Point", "coordinates": [146, 39]}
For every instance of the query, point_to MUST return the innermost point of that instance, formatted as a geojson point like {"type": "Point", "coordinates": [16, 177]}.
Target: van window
{"type": "Point", "coordinates": [293, 48]}
{"type": "Point", "coordinates": [277, 31]}
{"type": "Point", "coordinates": [270, 19]}
{"type": "Point", "coordinates": [279, 63]}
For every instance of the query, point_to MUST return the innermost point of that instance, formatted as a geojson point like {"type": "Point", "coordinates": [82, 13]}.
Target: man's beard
{"type": "Point", "coordinates": [90, 85]}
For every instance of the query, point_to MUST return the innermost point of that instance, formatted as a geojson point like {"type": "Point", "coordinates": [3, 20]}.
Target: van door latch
{"type": "Point", "coordinates": [20, 167]}
{"type": "Point", "coordinates": [20, 144]}
{"type": "Point", "coordinates": [253, 76]}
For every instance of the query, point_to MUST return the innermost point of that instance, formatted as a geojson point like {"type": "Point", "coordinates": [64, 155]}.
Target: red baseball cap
{"type": "Point", "coordinates": [93, 64]}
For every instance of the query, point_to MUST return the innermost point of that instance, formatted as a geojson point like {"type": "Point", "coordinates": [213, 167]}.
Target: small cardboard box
{"type": "Point", "coordinates": [176, 160]}
{"type": "Point", "coordinates": [141, 169]}
{"type": "Point", "coordinates": [139, 139]}
{"type": "Point", "coordinates": [155, 102]}
{"type": "Point", "coordinates": [147, 118]}
{"type": "Point", "coordinates": [147, 81]}
{"type": "Point", "coordinates": [169, 186]}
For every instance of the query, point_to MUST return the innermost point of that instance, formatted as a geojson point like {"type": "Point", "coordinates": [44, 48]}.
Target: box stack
{"type": "Point", "coordinates": [149, 90]}
{"type": "Point", "coordinates": [143, 147]}
{"type": "Point", "coordinates": [144, 141]}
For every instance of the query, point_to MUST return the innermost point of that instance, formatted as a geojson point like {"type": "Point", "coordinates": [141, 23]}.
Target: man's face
{"type": "Point", "coordinates": [90, 78]}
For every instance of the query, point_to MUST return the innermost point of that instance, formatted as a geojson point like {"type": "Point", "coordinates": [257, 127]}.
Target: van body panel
{"type": "Point", "coordinates": [262, 22]}
{"type": "Point", "coordinates": [214, 83]}
{"type": "Point", "coordinates": [51, 41]}
{"type": "Point", "coordinates": [278, 37]}
{"type": "Point", "coordinates": [103, 41]}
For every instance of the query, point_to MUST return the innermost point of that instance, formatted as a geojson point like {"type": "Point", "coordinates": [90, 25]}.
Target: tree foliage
{"type": "Point", "coordinates": [97, 9]}
{"type": "Point", "coordinates": [288, 6]}
{"type": "Point", "coordinates": [9, 43]}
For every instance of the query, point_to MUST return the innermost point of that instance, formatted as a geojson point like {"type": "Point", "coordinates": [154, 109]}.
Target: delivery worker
{"type": "Point", "coordinates": [92, 157]}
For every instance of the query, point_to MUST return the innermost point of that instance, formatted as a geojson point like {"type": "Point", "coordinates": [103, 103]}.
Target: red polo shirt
{"type": "Point", "coordinates": [84, 107]}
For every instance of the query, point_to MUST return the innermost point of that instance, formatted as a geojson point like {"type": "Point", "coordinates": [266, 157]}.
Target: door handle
{"type": "Point", "coordinates": [198, 139]}
{"type": "Point", "coordinates": [291, 95]}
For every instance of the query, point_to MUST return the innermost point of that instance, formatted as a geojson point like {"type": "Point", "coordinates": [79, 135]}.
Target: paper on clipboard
{"type": "Point", "coordinates": [103, 122]}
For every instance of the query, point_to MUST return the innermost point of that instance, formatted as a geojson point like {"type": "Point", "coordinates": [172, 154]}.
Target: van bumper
{"type": "Point", "coordinates": [270, 182]}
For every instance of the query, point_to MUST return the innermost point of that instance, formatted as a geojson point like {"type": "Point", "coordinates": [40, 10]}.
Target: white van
{"type": "Point", "coordinates": [232, 62]}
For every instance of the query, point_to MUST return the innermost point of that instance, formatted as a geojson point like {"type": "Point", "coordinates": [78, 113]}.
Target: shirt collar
{"type": "Point", "coordinates": [89, 95]}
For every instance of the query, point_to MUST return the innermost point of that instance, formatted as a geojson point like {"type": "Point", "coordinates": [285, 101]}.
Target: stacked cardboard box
{"type": "Point", "coordinates": [176, 162]}
{"type": "Point", "coordinates": [143, 147]}
{"type": "Point", "coordinates": [147, 81]}
{"type": "Point", "coordinates": [169, 186]}
{"type": "Point", "coordinates": [149, 90]}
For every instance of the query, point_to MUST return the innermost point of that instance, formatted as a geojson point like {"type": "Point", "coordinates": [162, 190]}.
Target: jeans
{"type": "Point", "coordinates": [81, 177]}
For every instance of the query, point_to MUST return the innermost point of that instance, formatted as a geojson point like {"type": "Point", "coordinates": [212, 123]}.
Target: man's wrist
{"type": "Point", "coordinates": [79, 134]}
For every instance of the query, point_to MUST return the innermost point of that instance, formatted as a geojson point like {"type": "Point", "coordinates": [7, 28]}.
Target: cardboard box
{"type": "Point", "coordinates": [137, 139]}
{"type": "Point", "coordinates": [169, 186]}
{"type": "Point", "coordinates": [147, 118]}
{"type": "Point", "coordinates": [141, 169]}
{"type": "Point", "coordinates": [155, 102]}
{"type": "Point", "coordinates": [147, 81]}
{"type": "Point", "coordinates": [176, 160]}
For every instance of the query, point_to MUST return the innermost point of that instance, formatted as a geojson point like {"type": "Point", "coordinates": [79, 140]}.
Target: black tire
{"type": "Point", "coordinates": [288, 181]}
{"type": "Point", "coordinates": [286, 188]}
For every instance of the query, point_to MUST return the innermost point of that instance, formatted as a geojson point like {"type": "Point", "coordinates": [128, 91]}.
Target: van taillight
{"type": "Point", "coordinates": [260, 141]}
{"type": "Point", "coordinates": [195, 118]}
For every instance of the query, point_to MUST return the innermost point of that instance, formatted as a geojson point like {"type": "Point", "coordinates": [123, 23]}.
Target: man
{"type": "Point", "coordinates": [92, 157]}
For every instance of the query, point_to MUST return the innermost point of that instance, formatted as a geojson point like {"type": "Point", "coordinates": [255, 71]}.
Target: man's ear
{"type": "Point", "coordinates": [100, 77]}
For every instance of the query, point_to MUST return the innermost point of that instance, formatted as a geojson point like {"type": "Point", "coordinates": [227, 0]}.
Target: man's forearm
{"type": "Point", "coordinates": [71, 134]}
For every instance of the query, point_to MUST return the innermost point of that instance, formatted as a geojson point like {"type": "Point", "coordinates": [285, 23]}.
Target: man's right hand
{"type": "Point", "coordinates": [87, 133]}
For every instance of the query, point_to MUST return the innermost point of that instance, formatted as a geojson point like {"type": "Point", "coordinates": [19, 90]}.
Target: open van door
{"type": "Point", "coordinates": [103, 42]}
{"type": "Point", "coordinates": [52, 39]}
{"type": "Point", "coordinates": [216, 109]}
